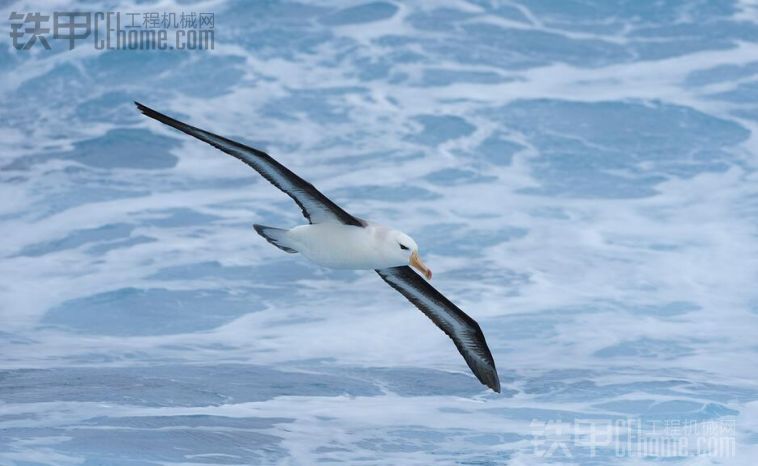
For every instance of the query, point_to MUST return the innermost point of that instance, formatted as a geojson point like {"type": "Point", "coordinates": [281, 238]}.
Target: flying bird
{"type": "Point", "coordinates": [334, 238]}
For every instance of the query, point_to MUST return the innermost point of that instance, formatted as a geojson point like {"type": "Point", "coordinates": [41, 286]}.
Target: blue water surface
{"type": "Point", "coordinates": [580, 175]}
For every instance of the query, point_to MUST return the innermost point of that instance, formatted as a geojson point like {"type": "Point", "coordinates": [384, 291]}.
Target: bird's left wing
{"type": "Point", "coordinates": [316, 207]}
{"type": "Point", "coordinates": [462, 329]}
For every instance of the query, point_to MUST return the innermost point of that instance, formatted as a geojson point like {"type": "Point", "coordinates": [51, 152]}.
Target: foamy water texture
{"type": "Point", "coordinates": [581, 177]}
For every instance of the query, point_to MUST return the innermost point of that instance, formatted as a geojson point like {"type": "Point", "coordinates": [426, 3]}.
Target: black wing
{"type": "Point", "coordinates": [316, 207]}
{"type": "Point", "coordinates": [462, 329]}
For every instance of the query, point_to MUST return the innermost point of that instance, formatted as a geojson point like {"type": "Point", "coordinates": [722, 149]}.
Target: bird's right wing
{"type": "Point", "coordinates": [316, 207]}
{"type": "Point", "coordinates": [462, 329]}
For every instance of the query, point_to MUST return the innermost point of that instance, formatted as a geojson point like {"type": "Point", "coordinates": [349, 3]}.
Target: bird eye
{"type": "Point", "coordinates": [403, 247]}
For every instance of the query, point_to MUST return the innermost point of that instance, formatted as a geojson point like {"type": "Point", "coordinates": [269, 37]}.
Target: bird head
{"type": "Point", "coordinates": [405, 252]}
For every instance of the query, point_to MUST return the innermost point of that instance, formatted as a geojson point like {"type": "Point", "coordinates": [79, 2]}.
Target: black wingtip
{"type": "Point", "coordinates": [491, 380]}
{"type": "Point", "coordinates": [146, 110]}
{"type": "Point", "coordinates": [149, 111]}
{"type": "Point", "coordinates": [167, 120]}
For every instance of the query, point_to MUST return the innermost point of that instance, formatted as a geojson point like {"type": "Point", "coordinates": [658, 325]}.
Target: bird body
{"type": "Point", "coordinates": [340, 246]}
{"type": "Point", "coordinates": [336, 239]}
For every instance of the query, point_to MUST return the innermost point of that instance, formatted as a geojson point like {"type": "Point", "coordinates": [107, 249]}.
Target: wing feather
{"type": "Point", "coordinates": [460, 327]}
{"type": "Point", "coordinates": [316, 207]}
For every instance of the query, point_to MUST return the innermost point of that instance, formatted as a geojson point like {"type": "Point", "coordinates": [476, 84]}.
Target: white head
{"type": "Point", "coordinates": [402, 250]}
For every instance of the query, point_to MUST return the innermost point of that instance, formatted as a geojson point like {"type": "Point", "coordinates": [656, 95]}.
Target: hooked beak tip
{"type": "Point", "coordinates": [419, 265]}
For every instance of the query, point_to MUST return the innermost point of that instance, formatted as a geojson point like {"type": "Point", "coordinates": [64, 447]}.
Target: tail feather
{"type": "Point", "coordinates": [275, 236]}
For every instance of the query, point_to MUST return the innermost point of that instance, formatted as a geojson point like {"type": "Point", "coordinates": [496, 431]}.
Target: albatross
{"type": "Point", "coordinates": [336, 239]}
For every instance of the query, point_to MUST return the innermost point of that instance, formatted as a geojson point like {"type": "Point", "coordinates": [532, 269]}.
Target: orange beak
{"type": "Point", "coordinates": [419, 265]}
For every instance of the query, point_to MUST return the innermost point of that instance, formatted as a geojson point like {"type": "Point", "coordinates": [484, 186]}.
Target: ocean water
{"type": "Point", "coordinates": [580, 175]}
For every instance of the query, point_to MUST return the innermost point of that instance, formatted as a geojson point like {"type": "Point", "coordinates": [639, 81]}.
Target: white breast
{"type": "Point", "coordinates": [341, 246]}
